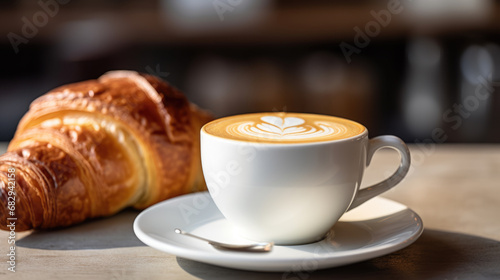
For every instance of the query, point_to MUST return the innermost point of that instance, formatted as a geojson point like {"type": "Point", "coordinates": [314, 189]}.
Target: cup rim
{"type": "Point", "coordinates": [361, 135]}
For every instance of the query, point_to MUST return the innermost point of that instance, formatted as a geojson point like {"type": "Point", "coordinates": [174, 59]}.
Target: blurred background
{"type": "Point", "coordinates": [425, 70]}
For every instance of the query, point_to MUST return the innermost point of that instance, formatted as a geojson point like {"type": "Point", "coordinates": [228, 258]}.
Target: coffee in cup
{"type": "Point", "coordinates": [284, 128]}
{"type": "Point", "coordinates": [289, 177]}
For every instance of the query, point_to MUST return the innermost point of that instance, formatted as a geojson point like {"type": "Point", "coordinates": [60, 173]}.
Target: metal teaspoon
{"type": "Point", "coordinates": [255, 247]}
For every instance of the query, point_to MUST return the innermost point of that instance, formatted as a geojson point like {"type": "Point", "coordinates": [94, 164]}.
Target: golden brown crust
{"type": "Point", "coordinates": [90, 149]}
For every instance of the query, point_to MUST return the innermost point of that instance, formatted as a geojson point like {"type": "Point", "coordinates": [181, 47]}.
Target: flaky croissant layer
{"type": "Point", "coordinates": [90, 149]}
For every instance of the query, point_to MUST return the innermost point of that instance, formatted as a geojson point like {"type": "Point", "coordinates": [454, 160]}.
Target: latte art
{"type": "Point", "coordinates": [284, 127]}
{"type": "Point", "coordinates": [288, 128]}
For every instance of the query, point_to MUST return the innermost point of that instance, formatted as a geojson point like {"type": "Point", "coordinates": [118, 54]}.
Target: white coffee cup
{"type": "Point", "coordinates": [290, 192]}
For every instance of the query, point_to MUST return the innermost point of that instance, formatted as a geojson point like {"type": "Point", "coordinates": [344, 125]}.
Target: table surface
{"type": "Point", "coordinates": [454, 188]}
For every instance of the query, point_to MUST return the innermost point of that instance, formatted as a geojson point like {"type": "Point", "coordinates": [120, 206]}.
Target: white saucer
{"type": "Point", "coordinates": [378, 227]}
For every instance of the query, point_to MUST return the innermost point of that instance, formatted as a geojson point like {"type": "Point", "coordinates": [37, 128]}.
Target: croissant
{"type": "Point", "coordinates": [93, 148]}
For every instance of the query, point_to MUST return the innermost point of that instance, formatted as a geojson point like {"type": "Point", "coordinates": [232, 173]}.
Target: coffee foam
{"type": "Point", "coordinates": [283, 128]}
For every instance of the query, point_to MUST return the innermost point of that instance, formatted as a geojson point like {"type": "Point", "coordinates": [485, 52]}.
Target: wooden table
{"type": "Point", "coordinates": [454, 188]}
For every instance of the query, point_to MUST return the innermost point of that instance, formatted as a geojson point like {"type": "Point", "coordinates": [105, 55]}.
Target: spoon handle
{"type": "Point", "coordinates": [180, 231]}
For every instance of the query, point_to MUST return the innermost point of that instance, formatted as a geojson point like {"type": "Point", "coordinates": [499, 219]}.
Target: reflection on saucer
{"type": "Point", "coordinates": [373, 209]}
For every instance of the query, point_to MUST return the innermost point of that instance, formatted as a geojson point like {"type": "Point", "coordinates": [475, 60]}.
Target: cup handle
{"type": "Point", "coordinates": [374, 144]}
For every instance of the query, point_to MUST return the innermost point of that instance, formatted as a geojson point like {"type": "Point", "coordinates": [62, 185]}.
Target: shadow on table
{"type": "Point", "coordinates": [436, 254]}
{"type": "Point", "coordinates": [113, 232]}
